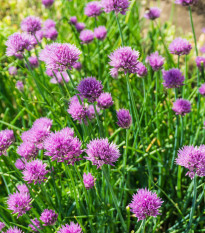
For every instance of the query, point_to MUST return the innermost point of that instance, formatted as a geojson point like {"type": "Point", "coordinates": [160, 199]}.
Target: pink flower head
{"type": "Point", "coordinates": [14, 230]}
{"type": "Point", "coordinates": [33, 62]}
{"type": "Point", "coordinates": [192, 158]}
{"type": "Point", "coordinates": [200, 61]}
{"type": "Point", "coordinates": [145, 203]}
{"type": "Point", "coordinates": [153, 13]}
{"type": "Point", "coordinates": [181, 107]}
{"type": "Point", "coordinates": [141, 70]}
{"type": "Point", "coordinates": [186, 2]}
{"type": "Point", "coordinates": [91, 111]}
{"type": "Point", "coordinates": [22, 188]}
{"type": "Point", "coordinates": [202, 89]}
{"type": "Point", "coordinates": [35, 225]}
{"type": "Point", "coordinates": [100, 32]}
{"type": "Point", "coordinates": [59, 57]}
{"type": "Point", "coordinates": [88, 180]}
{"type": "Point", "coordinates": [47, 3]}
{"type": "Point", "coordinates": [27, 150]}
{"type": "Point", "coordinates": [77, 66]}
{"type": "Point", "coordinates": [156, 61]}
{"type": "Point", "coordinates": [49, 23]}
{"type": "Point", "coordinates": [31, 24]}
{"type": "Point", "coordinates": [2, 225]}
{"type": "Point", "coordinates": [6, 139]}
{"type": "Point", "coordinates": [12, 70]}
{"type": "Point", "coordinates": [51, 33]}
{"type": "Point", "coordinates": [20, 164]}
{"type": "Point", "coordinates": [118, 6]}
{"type": "Point", "coordinates": [19, 203]}
{"type": "Point", "coordinates": [173, 78]}
{"type": "Point", "coordinates": [105, 100]}
{"type": "Point", "coordinates": [73, 20]}
{"type": "Point", "coordinates": [180, 47]}
{"type": "Point", "coordinates": [100, 152]}
{"type": "Point", "coordinates": [86, 36]}
{"type": "Point", "coordinates": [124, 118]}
{"type": "Point", "coordinates": [48, 217]}
{"type": "Point", "coordinates": [93, 9]}
{"type": "Point", "coordinates": [124, 59]}
{"type": "Point", "coordinates": [72, 228]}
{"type": "Point", "coordinates": [19, 85]}
{"type": "Point", "coordinates": [79, 26]}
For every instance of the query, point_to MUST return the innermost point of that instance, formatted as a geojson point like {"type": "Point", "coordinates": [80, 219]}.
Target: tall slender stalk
{"type": "Point", "coordinates": [120, 30]}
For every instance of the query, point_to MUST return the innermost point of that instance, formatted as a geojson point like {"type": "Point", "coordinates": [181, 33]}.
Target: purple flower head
{"type": "Point", "coordinates": [43, 122]}
{"type": "Point", "coordinates": [19, 85]}
{"type": "Point", "coordinates": [124, 59]}
{"type": "Point", "coordinates": [86, 36]}
{"type": "Point", "coordinates": [79, 26]}
{"type": "Point", "coordinates": [35, 225]}
{"type": "Point", "coordinates": [59, 79]}
{"type": "Point", "coordinates": [124, 118]}
{"type": "Point", "coordinates": [12, 70]}
{"type": "Point", "coordinates": [90, 88]}
{"type": "Point", "coordinates": [203, 30]}
{"type": "Point", "coordinates": [118, 6]}
{"type": "Point", "coordinates": [93, 9]}
{"type": "Point", "coordinates": [156, 61]}
{"type": "Point", "coordinates": [27, 150]}
{"type": "Point", "coordinates": [2, 225]}
{"type": "Point", "coordinates": [192, 158]}
{"type": "Point", "coordinates": [186, 2]}
{"type": "Point", "coordinates": [22, 188]}
{"type": "Point", "coordinates": [33, 62]}
{"type": "Point", "coordinates": [6, 139]}
{"type": "Point", "coordinates": [173, 78]}
{"type": "Point", "coordinates": [202, 49]}
{"type": "Point", "coordinates": [141, 70]}
{"type": "Point", "coordinates": [63, 147]}
{"type": "Point", "coordinates": [31, 24]}
{"type": "Point", "coordinates": [49, 23]}
{"type": "Point", "coordinates": [51, 33]}
{"type": "Point", "coordinates": [59, 56]}
{"type": "Point", "coordinates": [105, 100]}
{"type": "Point", "coordinates": [72, 228]}
{"type": "Point", "coordinates": [88, 180]}
{"type": "Point", "coordinates": [17, 43]}
{"type": "Point", "coordinates": [114, 73]}
{"type": "Point", "coordinates": [180, 47]}
{"type": "Point", "coordinates": [202, 89]}
{"type": "Point", "coordinates": [100, 32]}
{"type": "Point", "coordinates": [20, 164]}
{"type": "Point", "coordinates": [200, 61]}
{"type": "Point", "coordinates": [77, 110]}
{"type": "Point", "coordinates": [100, 152]}
{"type": "Point", "coordinates": [77, 66]}
{"type": "Point", "coordinates": [47, 3]}
{"type": "Point", "coordinates": [181, 107]}
{"type": "Point", "coordinates": [48, 217]}
{"type": "Point", "coordinates": [145, 203]}
{"type": "Point", "coordinates": [73, 20]}
{"type": "Point", "coordinates": [35, 171]}
{"type": "Point", "coordinates": [91, 112]}
{"type": "Point", "coordinates": [153, 13]}
{"type": "Point", "coordinates": [19, 203]}
{"type": "Point", "coordinates": [14, 230]}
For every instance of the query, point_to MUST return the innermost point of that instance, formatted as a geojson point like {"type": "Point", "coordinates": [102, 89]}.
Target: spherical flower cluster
{"type": "Point", "coordinates": [156, 61]}
{"type": "Point", "coordinates": [35, 225]}
{"type": "Point", "coordinates": [88, 180]}
{"type": "Point", "coordinates": [63, 147]}
{"type": "Point", "coordinates": [43, 122]}
{"type": "Point", "coordinates": [80, 26]}
{"type": "Point", "coordinates": [202, 89]}
{"type": "Point", "coordinates": [91, 112]}
{"type": "Point", "coordinates": [141, 69]}
{"type": "Point", "coordinates": [200, 61]}
{"type": "Point", "coordinates": [6, 139]}
{"type": "Point", "coordinates": [181, 107]}
{"type": "Point", "coordinates": [33, 62]}
{"type": "Point", "coordinates": [186, 2]}
{"type": "Point", "coordinates": [17, 43]}
{"type": "Point", "coordinates": [35, 171]}
{"type": "Point", "coordinates": [90, 88]}
{"type": "Point", "coordinates": [192, 158]}
{"type": "Point", "coordinates": [105, 100]}
{"type": "Point", "coordinates": [27, 150]}
{"type": "Point", "coordinates": [31, 24]}
{"type": "Point", "coordinates": [77, 66]}
{"type": "Point", "coordinates": [2, 225]}
{"type": "Point", "coordinates": [124, 59]}
{"type": "Point", "coordinates": [153, 13]}
{"type": "Point", "coordinates": [77, 110]}
{"type": "Point", "coordinates": [124, 118]}
{"type": "Point", "coordinates": [93, 9]}
{"type": "Point", "coordinates": [60, 77]}
{"type": "Point", "coordinates": [86, 36]}
{"type": "Point", "coordinates": [48, 217]}
{"type": "Point", "coordinates": [14, 230]}
{"type": "Point", "coordinates": [100, 152]}
{"type": "Point", "coordinates": [51, 33]}
{"type": "Point", "coordinates": [22, 188]}
{"type": "Point", "coordinates": [19, 85]}
{"type": "Point", "coordinates": [180, 47]}
{"type": "Point", "coordinates": [19, 203]}
{"type": "Point", "coordinates": [100, 32]}
{"type": "Point", "coordinates": [118, 6]}
{"type": "Point", "coordinates": [47, 3]}
{"type": "Point", "coordinates": [59, 56]}
{"type": "Point", "coordinates": [145, 203]}
{"type": "Point", "coordinates": [173, 78]}
{"type": "Point", "coordinates": [12, 70]}
{"type": "Point", "coordinates": [73, 20]}
{"type": "Point", "coordinates": [20, 164]}
{"type": "Point", "coordinates": [202, 49]}
{"type": "Point", "coordinates": [72, 228]}
{"type": "Point", "coordinates": [49, 23]}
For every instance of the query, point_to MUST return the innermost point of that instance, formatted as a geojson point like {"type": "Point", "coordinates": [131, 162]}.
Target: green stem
{"type": "Point", "coordinates": [98, 121]}
{"type": "Point", "coordinates": [115, 200]}
{"type": "Point", "coordinates": [120, 30]}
